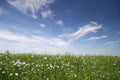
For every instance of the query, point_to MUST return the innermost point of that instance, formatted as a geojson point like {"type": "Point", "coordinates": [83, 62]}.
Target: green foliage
{"type": "Point", "coordinates": [66, 67]}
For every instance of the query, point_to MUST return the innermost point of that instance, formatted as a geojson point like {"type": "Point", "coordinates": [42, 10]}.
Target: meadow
{"type": "Point", "coordinates": [58, 67]}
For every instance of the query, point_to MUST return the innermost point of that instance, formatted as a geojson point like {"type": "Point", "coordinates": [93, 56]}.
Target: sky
{"type": "Point", "coordinates": [81, 27]}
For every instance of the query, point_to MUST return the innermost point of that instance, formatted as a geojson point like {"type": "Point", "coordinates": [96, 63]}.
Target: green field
{"type": "Point", "coordinates": [56, 67]}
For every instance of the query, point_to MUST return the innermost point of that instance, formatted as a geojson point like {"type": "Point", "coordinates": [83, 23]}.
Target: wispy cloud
{"type": "Point", "coordinates": [51, 40]}
{"type": "Point", "coordinates": [47, 14]}
{"type": "Point", "coordinates": [42, 25]}
{"type": "Point", "coordinates": [63, 40]}
{"type": "Point", "coordinates": [95, 38]}
{"type": "Point", "coordinates": [30, 7]}
{"type": "Point", "coordinates": [112, 43]}
{"type": "Point", "coordinates": [91, 27]}
{"type": "Point", "coordinates": [60, 22]}
{"type": "Point", "coordinates": [8, 35]}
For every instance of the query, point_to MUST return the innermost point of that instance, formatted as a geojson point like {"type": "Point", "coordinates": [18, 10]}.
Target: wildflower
{"type": "Point", "coordinates": [38, 70]}
{"type": "Point", "coordinates": [46, 64]}
{"type": "Point", "coordinates": [23, 63]}
{"type": "Point", "coordinates": [45, 58]}
{"type": "Point", "coordinates": [71, 71]}
{"type": "Point", "coordinates": [32, 56]}
{"type": "Point", "coordinates": [93, 73]}
{"type": "Point", "coordinates": [32, 69]}
{"type": "Point", "coordinates": [37, 65]}
{"type": "Point", "coordinates": [68, 62]}
{"type": "Point", "coordinates": [22, 73]}
{"type": "Point", "coordinates": [18, 63]}
{"type": "Point", "coordinates": [16, 74]}
{"type": "Point", "coordinates": [75, 75]}
{"type": "Point", "coordinates": [114, 64]}
{"type": "Point", "coordinates": [11, 74]}
{"type": "Point", "coordinates": [57, 66]}
{"type": "Point", "coordinates": [3, 72]}
{"type": "Point", "coordinates": [1, 62]}
{"type": "Point", "coordinates": [62, 67]}
{"type": "Point", "coordinates": [41, 64]}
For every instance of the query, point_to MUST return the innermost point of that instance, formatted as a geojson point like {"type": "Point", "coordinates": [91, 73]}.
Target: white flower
{"type": "Point", "coordinates": [68, 62]}
{"type": "Point", "coordinates": [62, 67]}
{"type": "Point", "coordinates": [1, 62]}
{"type": "Point", "coordinates": [18, 63]}
{"type": "Point", "coordinates": [37, 65]}
{"type": "Point", "coordinates": [16, 74]}
{"type": "Point", "coordinates": [32, 69]}
{"type": "Point", "coordinates": [32, 56]}
{"type": "Point", "coordinates": [45, 58]}
{"type": "Point", "coordinates": [3, 72]}
{"type": "Point", "coordinates": [75, 75]}
{"type": "Point", "coordinates": [23, 63]}
{"type": "Point", "coordinates": [11, 74]}
{"type": "Point", "coordinates": [118, 71]}
{"type": "Point", "coordinates": [47, 78]}
{"type": "Point", "coordinates": [41, 64]}
{"type": "Point", "coordinates": [57, 66]}
{"type": "Point", "coordinates": [46, 64]}
{"type": "Point", "coordinates": [38, 70]}
{"type": "Point", "coordinates": [114, 64]}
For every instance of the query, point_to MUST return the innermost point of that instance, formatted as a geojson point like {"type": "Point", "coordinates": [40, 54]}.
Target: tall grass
{"type": "Point", "coordinates": [66, 67]}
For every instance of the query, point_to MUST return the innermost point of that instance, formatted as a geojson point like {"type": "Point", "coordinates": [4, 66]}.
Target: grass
{"type": "Point", "coordinates": [66, 67]}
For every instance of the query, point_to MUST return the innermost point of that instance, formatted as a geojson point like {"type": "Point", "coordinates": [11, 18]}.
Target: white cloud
{"type": "Point", "coordinates": [96, 38]}
{"type": "Point", "coordinates": [63, 40]}
{"type": "Point", "coordinates": [112, 43]}
{"type": "Point", "coordinates": [51, 41]}
{"type": "Point", "coordinates": [92, 27]}
{"type": "Point", "coordinates": [47, 14]}
{"type": "Point", "coordinates": [8, 35]}
{"type": "Point", "coordinates": [30, 7]}
{"type": "Point", "coordinates": [59, 42]}
{"type": "Point", "coordinates": [42, 25]}
{"type": "Point", "coordinates": [60, 22]}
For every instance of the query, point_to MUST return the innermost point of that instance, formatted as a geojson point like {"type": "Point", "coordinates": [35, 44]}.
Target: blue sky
{"type": "Point", "coordinates": [59, 26]}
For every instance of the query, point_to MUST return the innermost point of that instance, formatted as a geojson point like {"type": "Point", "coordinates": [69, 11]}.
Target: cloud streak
{"type": "Point", "coordinates": [91, 27]}
{"type": "Point", "coordinates": [8, 35]}
{"type": "Point", "coordinates": [95, 38]}
{"type": "Point", "coordinates": [112, 43]}
{"type": "Point", "coordinates": [71, 37]}
{"type": "Point", "coordinates": [30, 7]}
{"type": "Point", "coordinates": [11, 36]}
